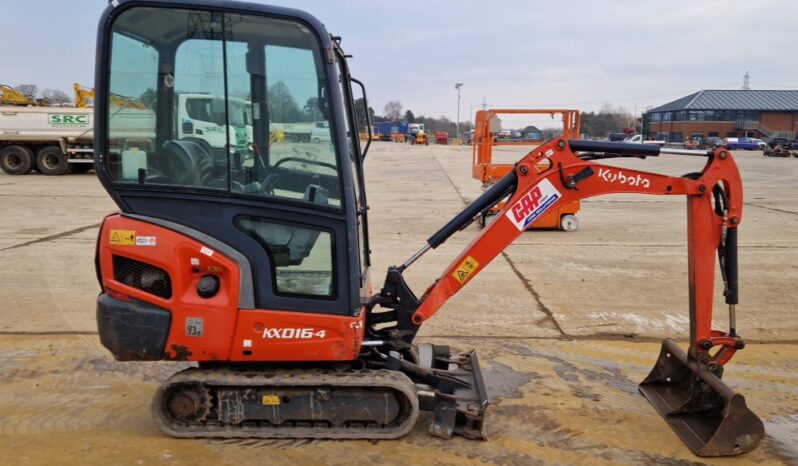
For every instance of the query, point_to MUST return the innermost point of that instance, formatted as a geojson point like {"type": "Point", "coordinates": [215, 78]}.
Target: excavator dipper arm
{"type": "Point", "coordinates": [560, 172]}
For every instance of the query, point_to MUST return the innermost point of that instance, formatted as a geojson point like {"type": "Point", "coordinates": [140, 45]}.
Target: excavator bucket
{"type": "Point", "coordinates": [709, 417]}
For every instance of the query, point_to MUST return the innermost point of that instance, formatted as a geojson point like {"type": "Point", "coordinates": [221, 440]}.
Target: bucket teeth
{"type": "Point", "coordinates": [710, 418]}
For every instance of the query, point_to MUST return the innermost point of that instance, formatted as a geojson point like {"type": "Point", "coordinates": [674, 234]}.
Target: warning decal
{"type": "Point", "coordinates": [465, 269]}
{"type": "Point", "coordinates": [122, 237]}
{"type": "Point", "coordinates": [271, 400]}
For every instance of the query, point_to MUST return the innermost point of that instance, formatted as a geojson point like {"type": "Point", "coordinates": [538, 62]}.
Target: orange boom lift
{"type": "Point", "coordinates": [254, 263]}
{"type": "Point", "coordinates": [488, 172]}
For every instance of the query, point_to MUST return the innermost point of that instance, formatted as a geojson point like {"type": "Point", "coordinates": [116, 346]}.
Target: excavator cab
{"type": "Point", "coordinates": [290, 211]}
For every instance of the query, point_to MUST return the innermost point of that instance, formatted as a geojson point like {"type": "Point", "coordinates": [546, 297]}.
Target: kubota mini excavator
{"type": "Point", "coordinates": [256, 265]}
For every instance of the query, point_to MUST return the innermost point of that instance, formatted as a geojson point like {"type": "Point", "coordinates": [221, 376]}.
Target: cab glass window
{"type": "Point", "coordinates": [220, 101]}
{"type": "Point", "coordinates": [301, 256]}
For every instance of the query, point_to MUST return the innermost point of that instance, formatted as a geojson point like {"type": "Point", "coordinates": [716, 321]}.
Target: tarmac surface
{"type": "Point", "coordinates": [566, 325]}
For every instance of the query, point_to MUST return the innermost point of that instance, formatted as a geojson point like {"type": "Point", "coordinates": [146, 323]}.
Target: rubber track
{"type": "Point", "coordinates": [227, 378]}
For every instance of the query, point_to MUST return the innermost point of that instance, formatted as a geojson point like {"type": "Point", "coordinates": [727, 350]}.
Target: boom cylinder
{"type": "Point", "coordinates": [487, 200]}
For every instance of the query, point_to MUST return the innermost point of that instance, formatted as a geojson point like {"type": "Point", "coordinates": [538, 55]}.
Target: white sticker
{"type": "Point", "coordinates": [549, 153]}
{"type": "Point", "coordinates": [207, 251]}
{"type": "Point", "coordinates": [145, 241]}
{"type": "Point", "coordinates": [533, 204]}
{"type": "Point", "coordinates": [194, 261]}
{"type": "Point", "coordinates": [247, 343]}
{"type": "Point", "coordinates": [195, 326]}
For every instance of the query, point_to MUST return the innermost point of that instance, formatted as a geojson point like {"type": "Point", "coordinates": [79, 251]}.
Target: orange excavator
{"type": "Point", "coordinates": [260, 272]}
{"type": "Point", "coordinates": [487, 125]}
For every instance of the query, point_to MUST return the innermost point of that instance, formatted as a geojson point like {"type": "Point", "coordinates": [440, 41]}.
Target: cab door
{"type": "Point", "coordinates": [283, 202]}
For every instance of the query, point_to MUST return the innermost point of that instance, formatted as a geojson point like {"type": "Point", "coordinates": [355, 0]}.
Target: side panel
{"type": "Point", "coordinates": [291, 336]}
{"type": "Point", "coordinates": [186, 261]}
{"type": "Point", "coordinates": [214, 328]}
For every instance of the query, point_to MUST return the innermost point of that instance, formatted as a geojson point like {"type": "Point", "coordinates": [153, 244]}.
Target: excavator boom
{"type": "Point", "coordinates": [684, 387]}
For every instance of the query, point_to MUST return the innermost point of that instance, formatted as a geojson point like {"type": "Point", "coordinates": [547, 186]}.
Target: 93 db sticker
{"type": "Point", "coordinates": [533, 204]}
{"type": "Point", "coordinates": [194, 326]}
{"type": "Point", "coordinates": [465, 269]}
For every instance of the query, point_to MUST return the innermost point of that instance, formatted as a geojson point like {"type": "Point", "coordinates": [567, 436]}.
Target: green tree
{"type": "Point", "coordinates": [148, 97]}
{"type": "Point", "coordinates": [410, 117]}
{"type": "Point", "coordinates": [283, 108]}
{"type": "Point", "coordinates": [312, 109]}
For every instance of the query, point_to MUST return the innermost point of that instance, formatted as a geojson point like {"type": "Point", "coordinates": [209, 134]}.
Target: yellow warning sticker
{"type": "Point", "coordinates": [468, 267]}
{"type": "Point", "coordinates": [122, 237]}
{"type": "Point", "coordinates": [271, 400]}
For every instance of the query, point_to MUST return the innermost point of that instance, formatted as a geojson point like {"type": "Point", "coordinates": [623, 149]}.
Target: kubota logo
{"type": "Point", "coordinates": [619, 177]}
{"type": "Point", "coordinates": [533, 204]}
{"type": "Point", "coordinates": [293, 333]}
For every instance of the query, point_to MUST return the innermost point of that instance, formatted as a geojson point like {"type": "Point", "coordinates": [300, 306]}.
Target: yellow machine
{"type": "Point", "coordinates": [419, 138]}
{"type": "Point", "coordinates": [84, 97]}
{"type": "Point", "coordinates": [11, 96]}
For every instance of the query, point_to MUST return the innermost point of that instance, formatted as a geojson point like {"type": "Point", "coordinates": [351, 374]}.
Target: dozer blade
{"type": "Point", "coordinates": [457, 396]}
{"type": "Point", "coordinates": [709, 417]}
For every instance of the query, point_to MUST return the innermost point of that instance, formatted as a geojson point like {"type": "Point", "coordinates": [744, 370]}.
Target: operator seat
{"type": "Point", "coordinates": [287, 245]}
{"type": "Point", "coordinates": [188, 163]}
{"type": "Point", "coordinates": [303, 240]}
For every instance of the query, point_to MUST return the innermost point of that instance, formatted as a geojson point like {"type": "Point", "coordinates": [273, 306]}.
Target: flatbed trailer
{"type": "Point", "coordinates": [486, 129]}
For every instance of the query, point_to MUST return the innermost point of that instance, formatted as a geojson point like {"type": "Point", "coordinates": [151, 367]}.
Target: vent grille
{"type": "Point", "coordinates": [143, 276]}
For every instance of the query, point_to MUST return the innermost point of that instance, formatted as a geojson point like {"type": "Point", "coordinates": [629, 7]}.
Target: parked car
{"type": "Point", "coordinates": [712, 143]}
{"type": "Point", "coordinates": [320, 132]}
{"type": "Point", "coordinates": [741, 143]}
{"type": "Point", "coordinates": [784, 143]}
{"type": "Point", "coordinates": [760, 144]}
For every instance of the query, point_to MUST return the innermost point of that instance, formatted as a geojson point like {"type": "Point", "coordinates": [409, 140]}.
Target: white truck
{"type": "Point", "coordinates": [53, 140]}
{"type": "Point", "coordinates": [638, 139]}
{"type": "Point", "coordinates": [49, 139]}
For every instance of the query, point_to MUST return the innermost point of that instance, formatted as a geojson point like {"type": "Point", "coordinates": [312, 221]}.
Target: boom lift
{"type": "Point", "coordinates": [259, 272]}
{"type": "Point", "coordinates": [486, 170]}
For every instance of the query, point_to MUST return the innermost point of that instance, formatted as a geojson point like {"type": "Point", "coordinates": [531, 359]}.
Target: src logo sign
{"type": "Point", "coordinates": [533, 204]}
{"type": "Point", "coordinates": [293, 333]}
{"type": "Point", "coordinates": [67, 120]}
{"type": "Point", "coordinates": [619, 177]}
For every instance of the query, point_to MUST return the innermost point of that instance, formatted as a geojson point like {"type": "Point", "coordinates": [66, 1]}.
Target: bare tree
{"type": "Point", "coordinates": [30, 90]}
{"type": "Point", "coordinates": [56, 96]}
{"type": "Point", "coordinates": [393, 110]}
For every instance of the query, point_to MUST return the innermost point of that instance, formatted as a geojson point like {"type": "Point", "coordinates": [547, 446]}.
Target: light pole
{"type": "Point", "coordinates": [457, 86]}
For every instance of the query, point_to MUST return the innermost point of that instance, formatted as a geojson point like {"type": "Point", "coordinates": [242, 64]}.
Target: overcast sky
{"type": "Point", "coordinates": [567, 53]}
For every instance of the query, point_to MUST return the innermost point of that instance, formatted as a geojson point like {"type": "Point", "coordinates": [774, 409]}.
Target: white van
{"type": "Point", "coordinates": [320, 132]}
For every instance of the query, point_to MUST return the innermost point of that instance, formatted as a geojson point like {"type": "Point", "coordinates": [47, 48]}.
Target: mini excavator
{"type": "Point", "coordinates": [253, 261]}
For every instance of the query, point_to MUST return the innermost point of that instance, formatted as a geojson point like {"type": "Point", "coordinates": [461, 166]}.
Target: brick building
{"type": "Point", "coordinates": [725, 113]}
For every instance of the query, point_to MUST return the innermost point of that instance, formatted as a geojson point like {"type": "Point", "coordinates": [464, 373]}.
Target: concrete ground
{"type": "Point", "coordinates": [566, 325]}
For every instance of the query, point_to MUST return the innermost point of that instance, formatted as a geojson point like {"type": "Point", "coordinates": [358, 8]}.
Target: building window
{"type": "Point", "coordinates": [731, 134]}
{"type": "Point", "coordinates": [666, 116]}
{"type": "Point", "coordinates": [676, 137]}
{"type": "Point", "coordinates": [656, 117]}
{"type": "Point", "coordinates": [712, 134]}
